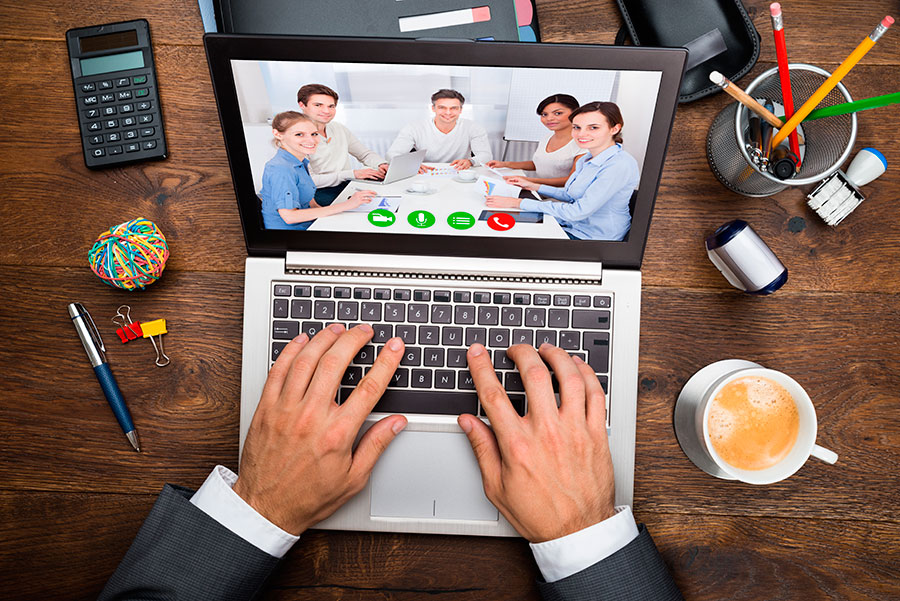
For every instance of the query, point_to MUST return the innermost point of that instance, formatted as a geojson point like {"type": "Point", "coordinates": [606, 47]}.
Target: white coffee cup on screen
{"type": "Point", "coordinates": [418, 187]}
{"type": "Point", "coordinates": [467, 175]}
{"type": "Point", "coordinates": [737, 420]}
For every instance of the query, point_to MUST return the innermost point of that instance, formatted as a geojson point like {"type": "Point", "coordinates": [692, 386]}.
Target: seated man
{"type": "Point", "coordinates": [330, 166]}
{"type": "Point", "coordinates": [549, 473]}
{"type": "Point", "coordinates": [446, 138]}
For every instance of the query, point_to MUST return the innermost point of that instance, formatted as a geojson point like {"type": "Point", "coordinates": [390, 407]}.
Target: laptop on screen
{"type": "Point", "coordinates": [439, 267]}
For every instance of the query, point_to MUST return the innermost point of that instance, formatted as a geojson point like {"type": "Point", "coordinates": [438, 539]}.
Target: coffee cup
{"type": "Point", "coordinates": [418, 187]}
{"type": "Point", "coordinates": [467, 175]}
{"type": "Point", "coordinates": [737, 420]}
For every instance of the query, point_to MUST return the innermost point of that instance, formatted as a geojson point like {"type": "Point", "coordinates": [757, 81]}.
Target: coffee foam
{"type": "Point", "coordinates": [753, 423]}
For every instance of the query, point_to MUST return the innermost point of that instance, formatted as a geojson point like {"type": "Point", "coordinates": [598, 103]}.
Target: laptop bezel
{"type": "Point", "coordinates": [221, 49]}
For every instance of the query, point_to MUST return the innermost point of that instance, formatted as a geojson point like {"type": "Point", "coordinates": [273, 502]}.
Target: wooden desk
{"type": "Point", "coordinates": [72, 493]}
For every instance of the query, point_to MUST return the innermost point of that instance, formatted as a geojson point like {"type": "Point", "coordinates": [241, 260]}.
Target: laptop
{"type": "Point", "coordinates": [401, 167]}
{"type": "Point", "coordinates": [430, 275]}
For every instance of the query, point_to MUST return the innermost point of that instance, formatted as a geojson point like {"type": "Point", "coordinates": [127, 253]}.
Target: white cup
{"type": "Point", "coordinates": [418, 187]}
{"type": "Point", "coordinates": [692, 423]}
{"type": "Point", "coordinates": [467, 175]}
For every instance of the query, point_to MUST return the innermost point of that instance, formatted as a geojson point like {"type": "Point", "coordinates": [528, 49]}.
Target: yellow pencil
{"type": "Point", "coordinates": [832, 81]}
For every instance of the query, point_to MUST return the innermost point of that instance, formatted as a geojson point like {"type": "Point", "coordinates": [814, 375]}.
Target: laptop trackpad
{"type": "Point", "coordinates": [430, 475]}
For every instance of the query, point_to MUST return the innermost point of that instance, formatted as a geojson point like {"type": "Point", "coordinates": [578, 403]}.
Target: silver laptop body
{"type": "Point", "coordinates": [401, 167]}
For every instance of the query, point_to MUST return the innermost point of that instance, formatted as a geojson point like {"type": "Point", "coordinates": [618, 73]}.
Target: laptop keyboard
{"type": "Point", "coordinates": [438, 325]}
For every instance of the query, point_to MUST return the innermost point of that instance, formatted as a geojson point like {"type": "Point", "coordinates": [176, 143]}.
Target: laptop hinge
{"type": "Point", "coordinates": [444, 268]}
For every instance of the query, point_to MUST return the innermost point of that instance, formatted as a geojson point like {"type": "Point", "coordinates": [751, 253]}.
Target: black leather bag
{"type": "Point", "coordinates": [718, 34]}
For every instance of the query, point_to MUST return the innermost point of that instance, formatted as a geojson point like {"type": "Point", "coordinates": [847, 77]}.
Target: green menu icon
{"type": "Point", "coordinates": [461, 220]}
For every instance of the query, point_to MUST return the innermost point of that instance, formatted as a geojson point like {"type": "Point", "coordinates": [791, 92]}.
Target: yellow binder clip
{"type": "Point", "coordinates": [157, 327]}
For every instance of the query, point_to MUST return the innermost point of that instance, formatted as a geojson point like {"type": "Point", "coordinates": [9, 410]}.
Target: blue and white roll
{"type": "Point", "coordinates": [744, 259]}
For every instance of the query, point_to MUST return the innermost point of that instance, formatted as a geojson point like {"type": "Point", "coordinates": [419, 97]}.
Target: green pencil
{"type": "Point", "coordinates": [852, 107]}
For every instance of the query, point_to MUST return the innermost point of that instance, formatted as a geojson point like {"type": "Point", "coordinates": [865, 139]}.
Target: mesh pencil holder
{"type": "Point", "coordinates": [827, 142]}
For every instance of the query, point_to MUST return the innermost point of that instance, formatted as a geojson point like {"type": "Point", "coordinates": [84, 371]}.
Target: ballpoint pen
{"type": "Point", "coordinates": [93, 346]}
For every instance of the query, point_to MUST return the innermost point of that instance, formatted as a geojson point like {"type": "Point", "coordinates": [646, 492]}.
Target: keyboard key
{"type": "Point", "coordinates": [604, 383]}
{"type": "Point", "coordinates": [341, 292]}
{"type": "Point", "coordinates": [352, 376]}
{"type": "Point", "coordinates": [144, 119]}
{"type": "Point", "coordinates": [451, 336]}
{"type": "Point", "coordinates": [558, 318]}
{"type": "Point", "coordinates": [98, 152]}
{"type": "Point", "coordinates": [441, 313]}
{"type": "Point", "coordinates": [456, 357]}
{"type": "Point", "coordinates": [580, 355]}
{"type": "Point", "coordinates": [322, 292]}
{"type": "Point", "coordinates": [280, 308]}
{"type": "Point", "coordinates": [464, 380]}
{"type": "Point", "coordinates": [442, 296]}
{"type": "Point", "coordinates": [407, 333]}
{"type": "Point", "coordinates": [115, 150]}
{"type": "Point", "coordinates": [282, 290]}
{"type": "Point", "coordinates": [476, 335]}
{"type": "Point", "coordinates": [522, 337]}
{"type": "Point", "coordinates": [582, 301]}
{"type": "Point", "coordinates": [132, 147]}
{"type": "Point", "coordinates": [383, 332]}
{"type": "Point", "coordinates": [482, 297]}
{"type": "Point", "coordinates": [488, 316]}
{"type": "Point", "coordinates": [417, 313]}
{"type": "Point", "coordinates": [382, 294]}
{"type": "Point", "coordinates": [301, 309]}
{"type": "Point", "coordinates": [324, 310]}
{"type": "Point", "coordinates": [501, 361]}
{"type": "Point", "coordinates": [597, 346]}
{"type": "Point", "coordinates": [302, 291]}
{"type": "Point", "coordinates": [421, 378]}
{"type": "Point", "coordinates": [513, 382]}
{"type": "Point", "coordinates": [400, 379]}
{"type": "Point", "coordinates": [402, 294]}
{"type": "Point", "coordinates": [569, 340]}
{"type": "Point", "coordinates": [603, 302]}
{"type": "Point", "coordinates": [502, 298]}
{"type": "Point", "coordinates": [562, 300]}
{"type": "Point", "coordinates": [464, 314]}
{"type": "Point", "coordinates": [277, 347]}
{"type": "Point", "coordinates": [535, 318]}
{"type": "Point", "coordinates": [365, 356]}
{"type": "Point", "coordinates": [394, 312]}
{"type": "Point", "coordinates": [434, 357]}
{"type": "Point", "coordinates": [348, 310]}
{"type": "Point", "coordinates": [518, 403]}
{"type": "Point", "coordinates": [311, 327]}
{"type": "Point", "coordinates": [588, 319]}
{"type": "Point", "coordinates": [462, 296]}
{"type": "Point", "coordinates": [429, 335]}
{"type": "Point", "coordinates": [412, 356]}
{"type": "Point", "coordinates": [545, 337]}
{"type": "Point", "coordinates": [511, 316]}
{"type": "Point", "coordinates": [422, 295]}
{"type": "Point", "coordinates": [424, 401]}
{"type": "Point", "coordinates": [444, 378]}
{"type": "Point", "coordinates": [498, 337]}
{"type": "Point", "coordinates": [521, 298]}
{"type": "Point", "coordinates": [285, 330]}
{"type": "Point", "coordinates": [541, 299]}
{"type": "Point", "coordinates": [362, 293]}
{"type": "Point", "coordinates": [371, 312]}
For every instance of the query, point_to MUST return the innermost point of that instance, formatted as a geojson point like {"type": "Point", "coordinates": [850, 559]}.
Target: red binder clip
{"type": "Point", "coordinates": [131, 331]}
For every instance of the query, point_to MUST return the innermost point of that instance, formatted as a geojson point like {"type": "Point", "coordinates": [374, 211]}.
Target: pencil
{"type": "Point", "coordinates": [744, 98]}
{"type": "Point", "coordinates": [853, 107]}
{"type": "Point", "coordinates": [784, 72]}
{"type": "Point", "coordinates": [832, 81]}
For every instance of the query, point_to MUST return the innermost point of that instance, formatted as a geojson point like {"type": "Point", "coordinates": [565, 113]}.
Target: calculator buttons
{"type": "Point", "coordinates": [104, 98]}
{"type": "Point", "coordinates": [141, 93]}
{"type": "Point", "coordinates": [95, 126]}
{"type": "Point", "coordinates": [115, 150]}
{"type": "Point", "coordinates": [149, 145]}
{"type": "Point", "coordinates": [88, 87]}
{"type": "Point", "coordinates": [139, 79]}
{"type": "Point", "coordinates": [89, 100]}
{"type": "Point", "coordinates": [127, 108]}
{"type": "Point", "coordinates": [131, 134]}
{"type": "Point", "coordinates": [105, 85]}
{"type": "Point", "coordinates": [109, 110]}
{"type": "Point", "coordinates": [98, 152]}
{"type": "Point", "coordinates": [125, 95]}
{"type": "Point", "coordinates": [145, 119]}
{"type": "Point", "coordinates": [147, 132]}
{"type": "Point", "coordinates": [96, 140]}
{"type": "Point", "coordinates": [143, 106]}
{"type": "Point", "coordinates": [122, 82]}
{"type": "Point", "coordinates": [114, 137]}
{"type": "Point", "coordinates": [128, 121]}
{"type": "Point", "coordinates": [92, 113]}
{"type": "Point", "coordinates": [132, 147]}
{"type": "Point", "coordinates": [111, 124]}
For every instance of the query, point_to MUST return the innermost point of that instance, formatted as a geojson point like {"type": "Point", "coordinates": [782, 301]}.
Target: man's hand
{"type": "Point", "coordinates": [549, 473]}
{"type": "Point", "coordinates": [461, 164]}
{"type": "Point", "coordinates": [369, 173]}
{"type": "Point", "coordinates": [299, 465]}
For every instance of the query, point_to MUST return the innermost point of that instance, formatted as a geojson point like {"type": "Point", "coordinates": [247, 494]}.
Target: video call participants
{"type": "Point", "coordinates": [288, 189]}
{"type": "Point", "coordinates": [593, 204]}
{"type": "Point", "coordinates": [330, 166]}
{"type": "Point", "coordinates": [446, 138]}
{"type": "Point", "coordinates": [554, 158]}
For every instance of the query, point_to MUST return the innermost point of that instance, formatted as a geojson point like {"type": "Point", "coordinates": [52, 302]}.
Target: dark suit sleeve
{"type": "Point", "coordinates": [182, 553]}
{"type": "Point", "coordinates": [634, 573]}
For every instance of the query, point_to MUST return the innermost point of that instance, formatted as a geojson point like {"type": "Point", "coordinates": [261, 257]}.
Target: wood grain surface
{"type": "Point", "coordinates": [72, 493]}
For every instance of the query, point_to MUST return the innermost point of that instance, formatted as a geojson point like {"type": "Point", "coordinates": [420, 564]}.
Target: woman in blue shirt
{"type": "Point", "coordinates": [287, 188]}
{"type": "Point", "coordinates": [593, 205]}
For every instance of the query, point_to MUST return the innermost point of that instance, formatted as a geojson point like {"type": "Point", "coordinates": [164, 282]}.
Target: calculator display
{"type": "Point", "coordinates": [109, 41]}
{"type": "Point", "coordinates": [112, 62]}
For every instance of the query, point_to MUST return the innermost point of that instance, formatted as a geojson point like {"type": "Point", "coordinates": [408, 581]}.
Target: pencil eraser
{"type": "Point", "coordinates": [775, 9]}
{"type": "Point", "coordinates": [716, 77]}
{"type": "Point", "coordinates": [481, 13]}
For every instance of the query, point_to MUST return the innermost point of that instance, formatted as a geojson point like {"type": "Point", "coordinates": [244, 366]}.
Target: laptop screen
{"type": "Point", "coordinates": [515, 150]}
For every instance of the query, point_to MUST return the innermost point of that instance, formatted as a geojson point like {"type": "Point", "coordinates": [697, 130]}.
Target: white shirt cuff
{"type": "Point", "coordinates": [564, 556]}
{"type": "Point", "coordinates": [217, 499]}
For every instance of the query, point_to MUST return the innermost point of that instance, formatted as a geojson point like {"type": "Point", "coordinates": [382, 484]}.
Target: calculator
{"type": "Point", "coordinates": [116, 93]}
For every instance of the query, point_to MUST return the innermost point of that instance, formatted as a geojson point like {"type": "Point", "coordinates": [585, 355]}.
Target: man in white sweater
{"type": "Point", "coordinates": [446, 138]}
{"type": "Point", "coordinates": [330, 165]}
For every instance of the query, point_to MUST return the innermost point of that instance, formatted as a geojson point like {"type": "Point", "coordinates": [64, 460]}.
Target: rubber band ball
{"type": "Point", "coordinates": [131, 255]}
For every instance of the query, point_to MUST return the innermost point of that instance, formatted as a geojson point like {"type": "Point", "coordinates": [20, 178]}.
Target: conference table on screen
{"type": "Point", "coordinates": [447, 195]}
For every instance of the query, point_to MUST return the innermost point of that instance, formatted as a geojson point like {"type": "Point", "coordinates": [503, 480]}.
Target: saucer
{"type": "Point", "coordinates": [422, 193]}
{"type": "Point", "coordinates": [460, 180]}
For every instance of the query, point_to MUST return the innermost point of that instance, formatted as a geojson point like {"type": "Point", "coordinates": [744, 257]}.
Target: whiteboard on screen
{"type": "Point", "coordinates": [529, 86]}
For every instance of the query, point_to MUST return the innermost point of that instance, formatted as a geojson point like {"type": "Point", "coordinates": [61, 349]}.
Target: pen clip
{"type": "Point", "coordinates": [92, 328]}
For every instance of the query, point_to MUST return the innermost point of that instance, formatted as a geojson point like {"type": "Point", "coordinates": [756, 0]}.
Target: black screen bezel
{"type": "Point", "coordinates": [221, 49]}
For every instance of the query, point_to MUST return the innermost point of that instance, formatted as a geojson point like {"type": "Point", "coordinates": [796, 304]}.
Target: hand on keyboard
{"type": "Point", "coordinates": [550, 472]}
{"type": "Point", "coordinates": [298, 465]}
